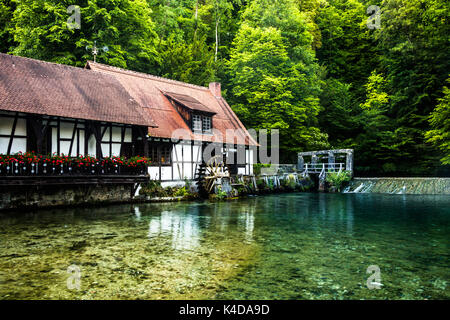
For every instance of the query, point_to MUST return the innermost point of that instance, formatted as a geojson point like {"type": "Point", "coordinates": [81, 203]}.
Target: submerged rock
{"type": "Point", "coordinates": [77, 245]}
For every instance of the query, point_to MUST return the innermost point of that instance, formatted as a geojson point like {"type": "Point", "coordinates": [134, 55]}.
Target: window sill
{"type": "Point", "coordinates": [203, 133]}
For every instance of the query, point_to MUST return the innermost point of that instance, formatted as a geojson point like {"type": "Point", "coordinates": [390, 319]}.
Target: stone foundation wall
{"type": "Point", "coordinates": [63, 195]}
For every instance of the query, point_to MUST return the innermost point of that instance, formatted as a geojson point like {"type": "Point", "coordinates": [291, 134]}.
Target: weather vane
{"type": "Point", "coordinates": [95, 50]}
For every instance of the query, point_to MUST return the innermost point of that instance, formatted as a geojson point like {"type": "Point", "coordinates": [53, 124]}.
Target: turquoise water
{"type": "Point", "coordinates": [290, 246]}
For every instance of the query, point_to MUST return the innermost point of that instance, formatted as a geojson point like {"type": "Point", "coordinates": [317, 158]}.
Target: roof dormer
{"type": "Point", "coordinates": [196, 115]}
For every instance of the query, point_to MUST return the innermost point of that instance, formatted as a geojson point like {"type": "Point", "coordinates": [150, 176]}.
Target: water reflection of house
{"type": "Point", "coordinates": [246, 220]}
{"type": "Point", "coordinates": [183, 229]}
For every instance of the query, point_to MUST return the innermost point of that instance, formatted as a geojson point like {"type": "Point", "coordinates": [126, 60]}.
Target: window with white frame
{"type": "Point", "coordinates": [201, 123]}
{"type": "Point", "coordinates": [206, 124]}
{"type": "Point", "coordinates": [196, 122]}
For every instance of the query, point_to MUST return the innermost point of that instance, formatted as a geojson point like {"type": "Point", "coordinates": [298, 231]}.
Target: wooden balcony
{"type": "Point", "coordinates": [39, 174]}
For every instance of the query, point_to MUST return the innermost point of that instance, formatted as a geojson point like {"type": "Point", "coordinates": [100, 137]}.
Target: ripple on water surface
{"type": "Point", "coordinates": [291, 246]}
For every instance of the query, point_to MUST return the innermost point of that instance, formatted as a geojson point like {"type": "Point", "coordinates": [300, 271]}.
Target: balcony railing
{"type": "Point", "coordinates": [49, 169]}
{"type": "Point", "coordinates": [29, 164]}
{"type": "Point", "coordinates": [319, 167]}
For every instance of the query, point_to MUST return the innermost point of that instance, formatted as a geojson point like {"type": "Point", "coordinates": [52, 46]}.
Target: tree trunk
{"type": "Point", "coordinates": [217, 38]}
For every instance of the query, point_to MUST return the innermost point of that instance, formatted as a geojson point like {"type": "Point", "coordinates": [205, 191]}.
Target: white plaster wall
{"type": "Point", "coordinates": [166, 173]}
{"type": "Point", "coordinates": [54, 140]}
{"type": "Point", "coordinates": [116, 150]}
{"type": "Point", "coordinates": [81, 139]}
{"type": "Point", "coordinates": [177, 154]}
{"type": "Point", "coordinates": [105, 150]}
{"type": "Point", "coordinates": [116, 137]}
{"type": "Point", "coordinates": [21, 127]}
{"type": "Point", "coordinates": [177, 157]}
{"type": "Point", "coordinates": [251, 161]}
{"type": "Point", "coordinates": [187, 170]}
{"type": "Point", "coordinates": [127, 137]}
{"type": "Point", "coordinates": [91, 146]}
{"type": "Point", "coordinates": [6, 125]}
{"type": "Point", "coordinates": [153, 172]}
{"type": "Point", "coordinates": [116, 134]}
{"type": "Point", "coordinates": [197, 153]}
{"type": "Point", "coordinates": [4, 145]}
{"type": "Point", "coordinates": [64, 147]}
{"type": "Point", "coordinates": [187, 152]}
{"type": "Point", "coordinates": [106, 134]}
{"type": "Point", "coordinates": [18, 144]}
{"type": "Point", "coordinates": [74, 146]}
{"type": "Point", "coordinates": [66, 130]}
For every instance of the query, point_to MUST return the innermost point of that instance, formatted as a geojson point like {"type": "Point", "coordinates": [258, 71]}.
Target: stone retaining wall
{"type": "Point", "coordinates": [63, 195]}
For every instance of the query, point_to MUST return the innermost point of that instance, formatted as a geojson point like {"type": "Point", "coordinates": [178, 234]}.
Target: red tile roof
{"type": "Point", "coordinates": [33, 86]}
{"type": "Point", "coordinates": [149, 91]}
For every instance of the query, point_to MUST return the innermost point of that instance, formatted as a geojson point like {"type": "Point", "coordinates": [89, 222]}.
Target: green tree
{"type": "Point", "coordinates": [413, 39]}
{"type": "Point", "coordinates": [6, 13]}
{"type": "Point", "coordinates": [125, 26]}
{"type": "Point", "coordinates": [348, 51]}
{"type": "Point", "coordinates": [348, 48]}
{"type": "Point", "coordinates": [267, 89]}
{"type": "Point", "coordinates": [189, 62]}
{"type": "Point", "coordinates": [295, 26]}
{"type": "Point", "coordinates": [440, 123]}
{"type": "Point", "coordinates": [339, 116]}
{"type": "Point", "coordinates": [274, 78]}
{"type": "Point", "coordinates": [380, 145]}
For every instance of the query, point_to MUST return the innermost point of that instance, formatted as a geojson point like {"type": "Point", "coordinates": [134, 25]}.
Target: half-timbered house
{"type": "Point", "coordinates": [201, 113]}
{"type": "Point", "coordinates": [105, 111]}
{"type": "Point", "coordinates": [53, 108]}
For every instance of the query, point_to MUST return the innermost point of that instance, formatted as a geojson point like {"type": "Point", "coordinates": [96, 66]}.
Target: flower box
{"type": "Point", "coordinates": [30, 164]}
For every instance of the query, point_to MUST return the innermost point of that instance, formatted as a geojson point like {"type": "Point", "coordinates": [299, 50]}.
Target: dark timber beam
{"type": "Point", "coordinates": [13, 131]}
{"type": "Point", "coordinates": [73, 137]}
{"type": "Point", "coordinates": [39, 130]}
{"type": "Point", "coordinates": [143, 131]}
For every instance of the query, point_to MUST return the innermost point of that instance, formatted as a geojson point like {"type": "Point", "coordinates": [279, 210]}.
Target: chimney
{"type": "Point", "coordinates": [214, 87]}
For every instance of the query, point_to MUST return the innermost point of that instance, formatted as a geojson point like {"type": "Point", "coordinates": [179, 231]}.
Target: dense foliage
{"type": "Point", "coordinates": [311, 68]}
{"type": "Point", "coordinates": [155, 189]}
{"type": "Point", "coordinates": [337, 179]}
{"type": "Point", "coordinates": [440, 123]}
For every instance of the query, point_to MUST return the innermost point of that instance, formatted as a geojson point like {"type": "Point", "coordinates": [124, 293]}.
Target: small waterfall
{"type": "Point", "coordinates": [399, 185]}
{"type": "Point", "coordinates": [358, 189]}
{"type": "Point", "coordinates": [277, 180]}
{"type": "Point", "coordinates": [403, 191]}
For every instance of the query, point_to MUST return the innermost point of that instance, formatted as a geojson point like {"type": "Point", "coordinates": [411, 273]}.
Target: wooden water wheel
{"type": "Point", "coordinates": [214, 170]}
